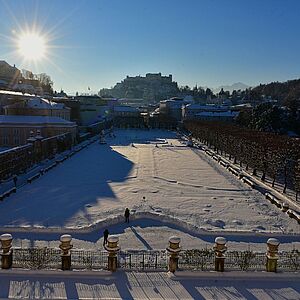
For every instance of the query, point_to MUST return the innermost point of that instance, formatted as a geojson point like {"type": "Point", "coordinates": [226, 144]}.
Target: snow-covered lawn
{"type": "Point", "coordinates": [101, 180]}
{"type": "Point", "coordinates": [146, 234]}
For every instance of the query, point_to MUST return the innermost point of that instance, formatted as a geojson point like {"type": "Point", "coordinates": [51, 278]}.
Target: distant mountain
{"type": "Point", "coordinates": [236, 86]}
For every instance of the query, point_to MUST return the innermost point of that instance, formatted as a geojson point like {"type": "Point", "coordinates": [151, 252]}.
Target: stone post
{"type": "Point", "coordinates": [272, 254]}
{"type": "Point", "coordinates": [173, 251]}
{"type": "Point", "coordinates": [66, 246]}
{"type": "Point", "coordinates": [220, 248]}
{"type": "Point", "coordinates": [38, 145]}
{"type": "Point", "coordinates": [7, 254]}
{"type": "Point", "coordinates": [102, 137]}
{"type": "Point", "coordinates": [32, 140]}
{"type": "Point", "coordinates": [112, 248]}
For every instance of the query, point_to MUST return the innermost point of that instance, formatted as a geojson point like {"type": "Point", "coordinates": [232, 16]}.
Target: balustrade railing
{"type": "Point", "coordinates": [172, 258]}
{"type": "Point", "coordinates": [245, 261]}
{"type": "Point", "coordinates": [141, 260]}
{"type": "Point", "coordinates": [36, 258]}
{"type": "Point", "coordinates": [289, 261]}
{"type": "Point", "coordinates": [195, 259]}
{"type": "Point", "coordinates": [91, 260]}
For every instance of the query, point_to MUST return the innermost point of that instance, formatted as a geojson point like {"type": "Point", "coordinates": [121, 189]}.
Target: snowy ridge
{"type": "Point", "coordinates": [157, 216]}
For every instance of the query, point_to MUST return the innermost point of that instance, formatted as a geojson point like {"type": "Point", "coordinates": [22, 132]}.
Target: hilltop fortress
{"type": "Point", "coordinates": [152, 87]}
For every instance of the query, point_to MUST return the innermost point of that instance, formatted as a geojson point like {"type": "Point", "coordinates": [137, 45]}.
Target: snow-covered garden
{"type": "Point", "coordinates": [146, 171]}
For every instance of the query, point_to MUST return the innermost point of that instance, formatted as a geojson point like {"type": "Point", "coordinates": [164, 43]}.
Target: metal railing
{"type": "Point", "coordinates": [245, 261]}
{"type": "Point", "coordinates": [141, 260]}
{"type": "Point", "coordinates": [91, 260]}
{"type": "Point", "coordinates": [36, 258]}
{"type": "Point", "coordinates": [195, 259]}
{"type": "Point", "coordinates": [289, 261]}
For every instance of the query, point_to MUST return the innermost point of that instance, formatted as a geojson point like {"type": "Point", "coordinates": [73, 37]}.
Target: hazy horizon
{"type": "Point", "coordinates": [209, 43]}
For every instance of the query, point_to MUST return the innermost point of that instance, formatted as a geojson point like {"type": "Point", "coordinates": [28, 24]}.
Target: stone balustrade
{"type": "Point", "coordinates": [218, 257]}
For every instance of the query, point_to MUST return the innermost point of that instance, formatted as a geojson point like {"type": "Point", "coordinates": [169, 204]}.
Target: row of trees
{"type": "Point", "coordinates": [273, 155]}
{"type": "Point", "coordinates": [271, 118]}
{"type": "Point", "coordinates": [199, 92]}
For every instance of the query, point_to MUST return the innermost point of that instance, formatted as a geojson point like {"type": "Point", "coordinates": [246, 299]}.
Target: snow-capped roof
{"type": "Point", "coordinates": [11, 119]}
{"type": "Point", "coordinates": [41, 103]}
{"type": "Point", "coordinates": [12, 93]}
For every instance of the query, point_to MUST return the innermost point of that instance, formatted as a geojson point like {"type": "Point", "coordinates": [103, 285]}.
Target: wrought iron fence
{"type": "Point", "coordinates": [142, 260]}
{"type": "Point", "coordinates": [85, 259]}
{"type": "Point", "coordinates": [37, 258]}
{"type": "Point", "coordinates": [197, 259]}
{"type": "Point", "coordinates": [245, 261]}
{"type": "Point", "coordinates": [289, 261]}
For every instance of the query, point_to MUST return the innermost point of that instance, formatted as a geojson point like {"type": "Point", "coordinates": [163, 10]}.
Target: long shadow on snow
{"type": "Point", "coordinates": [58, 196]}
{"type": "Point", "coordinates": [95, 235]}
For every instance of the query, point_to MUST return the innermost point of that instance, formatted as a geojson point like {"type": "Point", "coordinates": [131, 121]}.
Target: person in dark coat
{"type": "Point", "coordinates": [105, 235]}
{"type": "Point", "coordinates": [127, 214]}
{"type": "Point", "coordinates": [15, 179]}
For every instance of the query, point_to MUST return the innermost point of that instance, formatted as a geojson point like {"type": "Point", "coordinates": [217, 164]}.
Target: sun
{"type": "Point", "coordinates": [32, 46]}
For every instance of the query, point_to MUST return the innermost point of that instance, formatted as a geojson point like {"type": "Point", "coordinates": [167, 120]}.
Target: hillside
{"type": "Point", "coordinates": [287, 93]}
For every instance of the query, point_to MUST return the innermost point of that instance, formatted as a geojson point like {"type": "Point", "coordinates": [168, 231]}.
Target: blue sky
{"type": "Point", "coordinates": [208, 42]}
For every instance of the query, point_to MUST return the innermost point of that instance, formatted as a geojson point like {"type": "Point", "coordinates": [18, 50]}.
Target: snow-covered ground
{"type": "Point", "coordinates": [146, 234]}
{"type": "Point", "coordinates": [142, 286]}
{"type": "Point", "coordinates": [145, 171]}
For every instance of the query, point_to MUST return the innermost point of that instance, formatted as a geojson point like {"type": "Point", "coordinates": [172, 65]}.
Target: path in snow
{"type": "Point", "coordinates": [148, 234]}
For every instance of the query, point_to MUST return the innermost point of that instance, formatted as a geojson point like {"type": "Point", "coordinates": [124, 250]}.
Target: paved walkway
{"type": "Point", "coordinates": [147, 285]}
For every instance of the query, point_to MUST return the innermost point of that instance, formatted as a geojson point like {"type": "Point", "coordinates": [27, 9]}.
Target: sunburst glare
{"type": "Point", "coordinates": [32, 46]}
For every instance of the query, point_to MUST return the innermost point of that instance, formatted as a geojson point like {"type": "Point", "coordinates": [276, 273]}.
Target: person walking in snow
{"type": "Point", "coordinates": [105, 235]}
{"type": "Point", "coordinates": [127, 214]}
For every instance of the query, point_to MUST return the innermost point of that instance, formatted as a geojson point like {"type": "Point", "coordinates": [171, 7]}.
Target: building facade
{"type": "Point", "coordinates": [15, 130]}
{"type": "Point", "coordinates": [92, 109]}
